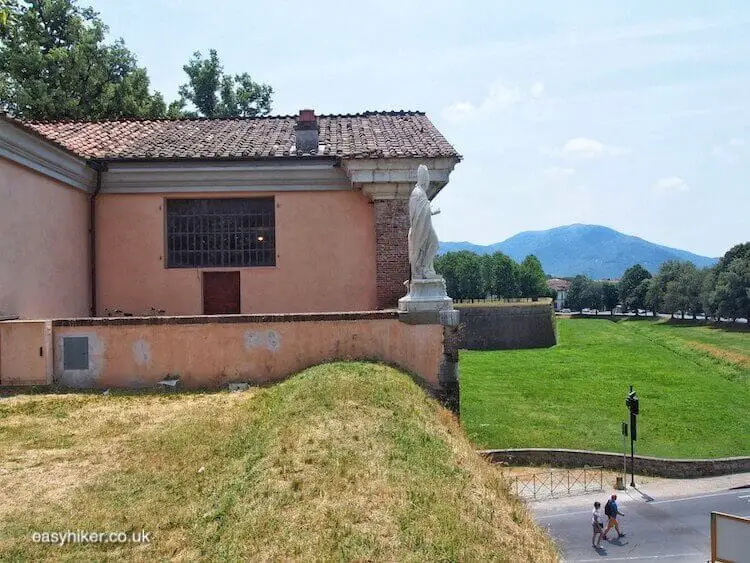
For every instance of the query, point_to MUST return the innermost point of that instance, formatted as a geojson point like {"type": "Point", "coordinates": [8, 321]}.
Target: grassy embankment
{"type": "Point", "coordinates": [693, 384]}
{"type": "Point", "coordinates": [344, 461]}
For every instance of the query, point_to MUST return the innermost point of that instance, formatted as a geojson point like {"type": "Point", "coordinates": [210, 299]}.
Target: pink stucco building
{"type": "Point", "coordinates": [210, 216]}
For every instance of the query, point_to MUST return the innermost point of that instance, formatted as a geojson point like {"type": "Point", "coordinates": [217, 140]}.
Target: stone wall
{"type": "Point", "coordinates": [391, 250]}
{"type": "Point", "coordinates": [508, 327]}
{"type": "Point", "coordinates": [644, 465]}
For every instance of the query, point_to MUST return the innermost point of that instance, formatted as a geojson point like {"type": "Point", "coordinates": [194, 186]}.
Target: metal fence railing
{"type": "Point", "coordinates": [556, 482]}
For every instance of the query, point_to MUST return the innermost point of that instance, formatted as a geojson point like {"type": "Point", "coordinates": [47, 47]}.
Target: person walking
{"type": "Point", "coordinates": [611, 511]}
{"type": "Point", "coordinates": [596, 521]}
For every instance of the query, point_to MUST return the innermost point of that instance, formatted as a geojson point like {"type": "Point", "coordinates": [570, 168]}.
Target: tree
{"type": "Point", "coordinates": [610, 296]}
{"type": "Point", "coordinates": [693, 286]}
{"type": "Point", "coordinates": [725, 291]}
{"type": "Point", "coordinates": [638, 296]}
{"type": "Point", "coordinates": [531, 279]}
{"type": "Point", "coordinates": [707, 292]}
{"type": "Point", "coordinates": [215, 94]}
{"type": "Point", "coordinates": [468, 272]}
{"type": "Point", "coordinates": [592, 296]}
{"type": "Point", "coordinates": [668, 294]}
{"type": "Point", "coordinates": [632, 295]}
{"type": "Point", "coordinates": [683, 292]}
{"type": "Point", "coordinates": [54, 64]}
{"type": "Point", "coordinates": [732, 293]}
{"type": "Point", "coordinates": [488, 270]}
{"type": "Point", "coordinates": [653, 299]}
{"type": "Point", "coordinates": [505, 276]}
{"type": "Point", "coordinates": [445, 265]}
{"type": "Point", "coordinates": [577, 293]}
{"type": "Point", "coordinates": [738, 251]}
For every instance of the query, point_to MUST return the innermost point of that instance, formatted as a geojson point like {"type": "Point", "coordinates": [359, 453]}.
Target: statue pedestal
{"type": "Point", "coordinates": [425, 295]}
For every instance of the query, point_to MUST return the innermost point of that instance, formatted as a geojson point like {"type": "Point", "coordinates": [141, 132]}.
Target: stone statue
{"type": "Point", "coordinates": [423, 242]}
{"type": "Point", "coordinates": [426, 287]}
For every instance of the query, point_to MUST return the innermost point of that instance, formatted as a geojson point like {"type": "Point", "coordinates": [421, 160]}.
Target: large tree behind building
{"type": "Point", "coordinates": [215, 94]}
{"type": "Point", "coordinates": [55, 64]}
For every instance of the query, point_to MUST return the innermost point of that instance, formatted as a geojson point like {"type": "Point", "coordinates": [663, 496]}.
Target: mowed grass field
{"type": "Point", "coordinates": [693, 383]}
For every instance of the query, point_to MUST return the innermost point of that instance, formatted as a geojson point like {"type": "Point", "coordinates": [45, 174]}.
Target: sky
{"type": "Point", "coordinates": [634, 115]}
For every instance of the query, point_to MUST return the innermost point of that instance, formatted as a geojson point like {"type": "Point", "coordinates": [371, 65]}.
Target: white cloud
{"type": "Point", "coordinates": [672, 184]}
{"type": "Point", "coordinates": [500, 97]}
{"type": "Point", "coordinates": [581, 147]}
{"type": "Point", "coordinates": [537, 90]}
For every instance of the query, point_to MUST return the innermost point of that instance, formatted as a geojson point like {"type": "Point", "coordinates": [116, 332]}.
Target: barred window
{"type": "Point", "coordinates": [215, 233]}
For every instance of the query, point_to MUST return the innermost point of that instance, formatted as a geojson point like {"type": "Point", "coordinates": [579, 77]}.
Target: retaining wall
{"type": "Point", "coordinates": [644, 465]}
{"type": "Point", "coordinates": [508, 327]}
{"type": "Point", "coordinates": [210, 351]}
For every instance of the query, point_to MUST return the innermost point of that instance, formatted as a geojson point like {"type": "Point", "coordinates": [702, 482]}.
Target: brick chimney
{"type": "Point", "coordinates": [306, 132]}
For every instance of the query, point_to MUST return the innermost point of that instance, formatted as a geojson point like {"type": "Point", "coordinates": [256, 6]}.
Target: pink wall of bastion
{"type": "Point", "coordinates": [209, 352]}
{"type": "Point", "coordinates": [325, 257]}
{"type": "Point", "coordinates": [44, 270]}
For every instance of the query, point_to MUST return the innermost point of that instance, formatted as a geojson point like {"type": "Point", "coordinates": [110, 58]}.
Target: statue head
{"type": "Point", "coordinates": [423, 177]}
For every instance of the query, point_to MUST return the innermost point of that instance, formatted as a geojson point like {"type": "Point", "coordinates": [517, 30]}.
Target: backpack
{"type": "Point", "coordinates": [608, 508]}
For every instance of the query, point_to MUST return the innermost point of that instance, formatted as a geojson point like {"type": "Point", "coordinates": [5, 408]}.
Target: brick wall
{"type": "Point", "coordinates": [391, 250]}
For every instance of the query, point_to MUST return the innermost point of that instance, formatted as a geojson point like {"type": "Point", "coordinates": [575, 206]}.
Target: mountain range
{"type": "Point", "coordinates": [596, 251]}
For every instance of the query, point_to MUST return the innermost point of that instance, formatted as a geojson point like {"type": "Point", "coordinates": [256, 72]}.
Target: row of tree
{"type": "Point", "coordinates": [471, 276]}
{"type": "Point", "coordinates": [55, 64]}
{"type": "Point", "coordinates": [722, 291]}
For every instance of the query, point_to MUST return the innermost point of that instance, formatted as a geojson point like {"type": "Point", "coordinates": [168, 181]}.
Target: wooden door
{"type": "Point", "coordinates": [221, 293]}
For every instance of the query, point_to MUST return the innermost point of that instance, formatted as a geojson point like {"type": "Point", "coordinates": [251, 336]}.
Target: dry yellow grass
{"type": "Point", "coordinates": [730, 356]}
{"type": "Point", "coordinates": [344, 461]}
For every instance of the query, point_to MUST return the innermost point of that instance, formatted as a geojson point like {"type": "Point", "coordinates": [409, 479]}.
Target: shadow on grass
{"type": "Point", "coordinates": [612, 318]}
{"type": "Point", "coordinates": [723, 326]}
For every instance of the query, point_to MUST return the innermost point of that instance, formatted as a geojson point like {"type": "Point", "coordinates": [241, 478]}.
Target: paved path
{"type": "Point", "coordinates": [669, 522]}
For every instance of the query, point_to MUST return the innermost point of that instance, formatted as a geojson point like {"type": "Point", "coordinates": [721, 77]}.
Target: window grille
{"type": "Point", "coordinates": [219, 233]}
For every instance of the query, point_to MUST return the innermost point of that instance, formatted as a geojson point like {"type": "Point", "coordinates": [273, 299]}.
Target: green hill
{"type": "Point", "coordinates": [343, 461]}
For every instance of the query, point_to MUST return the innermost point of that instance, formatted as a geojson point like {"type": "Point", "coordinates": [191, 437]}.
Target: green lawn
{"type": "Point", "coordinates": [695, 398]}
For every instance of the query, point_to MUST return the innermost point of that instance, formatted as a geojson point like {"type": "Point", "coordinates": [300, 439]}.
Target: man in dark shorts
{"type": "Point", "coordinates": [611, 510]}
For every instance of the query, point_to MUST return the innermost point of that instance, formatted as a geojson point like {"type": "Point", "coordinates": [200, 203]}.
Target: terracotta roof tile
{"type": "Point", "coordinates": [558, 284]}
{"type": "Point", "coordinates": [366, 135]}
